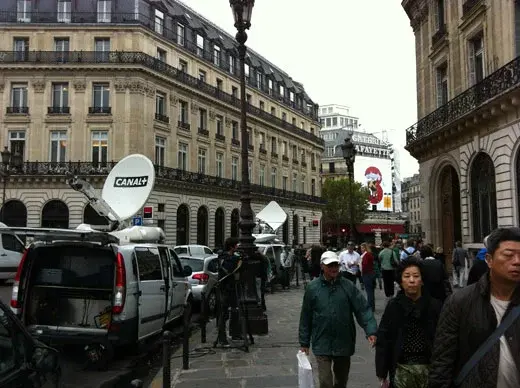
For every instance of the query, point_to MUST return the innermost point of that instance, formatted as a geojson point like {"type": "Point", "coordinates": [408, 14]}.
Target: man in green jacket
{"type": "Point", "coordinates": [327, 322]}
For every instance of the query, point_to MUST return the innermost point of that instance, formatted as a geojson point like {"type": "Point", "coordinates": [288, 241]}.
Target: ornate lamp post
{"type": "Point", "coordinates": [349, 153]}
{"type": "Point", "coordinates": [9, 159]}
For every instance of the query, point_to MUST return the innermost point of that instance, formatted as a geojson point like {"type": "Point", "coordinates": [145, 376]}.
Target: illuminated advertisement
{"type": "Point", "coordinates": [376, 175]}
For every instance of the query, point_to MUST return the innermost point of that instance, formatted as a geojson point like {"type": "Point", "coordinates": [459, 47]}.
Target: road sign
{"type": "Point", "coordinates": [137, 221]}
{"type": "Point", "coordinates": [148, 212]}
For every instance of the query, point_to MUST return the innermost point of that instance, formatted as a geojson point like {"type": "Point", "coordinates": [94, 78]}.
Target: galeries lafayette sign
{"type": "Point", "coordinates": [371, 145]}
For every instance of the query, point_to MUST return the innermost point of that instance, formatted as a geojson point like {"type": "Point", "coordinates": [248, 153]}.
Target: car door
{"type": "Point", "coordinates": [11, 252]}
{"type": "Point", "coordinates": [152, 290]}
{"type": "Point", "coordinates": [168, 280]}
{"type": "Point", "coordinates": [180, 285]}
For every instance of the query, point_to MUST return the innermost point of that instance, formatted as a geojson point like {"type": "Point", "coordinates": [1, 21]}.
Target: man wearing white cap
{"type": "Point", "coordinates": [327, 322]}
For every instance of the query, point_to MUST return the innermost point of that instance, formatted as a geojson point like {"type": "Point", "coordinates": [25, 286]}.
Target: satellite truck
{"type": "Point", "coordinates": [101, 286]}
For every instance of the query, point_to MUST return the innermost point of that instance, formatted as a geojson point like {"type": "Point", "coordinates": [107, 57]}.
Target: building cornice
{"type": "Point", "coordinates": [417, 11]}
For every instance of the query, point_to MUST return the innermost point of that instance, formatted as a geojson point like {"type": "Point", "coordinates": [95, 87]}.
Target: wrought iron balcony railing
{"type": "Point", "coordinates": [17, 110]}
{"type": "Point", "coordinates": [166, 173]}
{"type": "Point", "coordinates": [58, 110]}
{"type": "Point", "coordinates": [138, 58]}
{"type": "Point", "coordinates": [163, 118]}
{"type": "Point", "coordinates": [100, 110]}
{"type": "Point", "coordinates": [235, 142]}
{"type": "Point", "coordinates": [182, 42]}
{"type": "Point", "coordinates": [494, 85]}
{"type": "Point", "coordinates": [183, 125]}
{"type": "Point", "coordinates": [220, 137]}
{"type": "Point", "coordinates": [203, 132]}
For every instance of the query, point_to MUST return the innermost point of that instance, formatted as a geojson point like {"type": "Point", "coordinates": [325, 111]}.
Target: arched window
{"type": "Point", "coordinates": [55, 214]}
{"type": "Point", "coordinates": [202, 226]}
{"type": "Point", "coordinates": [14, 213]}
{"type": "Point", "coordinates": [483, 196]}
{"type": "Point", "coordinates": [183, 222]}
{"type": "Point", "coordinates": [220, 228]}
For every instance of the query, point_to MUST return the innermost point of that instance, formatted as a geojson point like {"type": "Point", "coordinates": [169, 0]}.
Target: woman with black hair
{"type": "Point", "coordinates": [407, 330]}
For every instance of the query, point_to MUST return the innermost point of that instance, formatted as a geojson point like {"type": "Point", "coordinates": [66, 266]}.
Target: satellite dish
{"type": "Point", "coordinates": [273, 215]}
{"type": "Point", "coordinates": [128, 186]}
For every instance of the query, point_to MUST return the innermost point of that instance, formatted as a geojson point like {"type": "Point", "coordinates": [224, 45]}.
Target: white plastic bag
{"type": "Point", "coordinates": [305, 379]}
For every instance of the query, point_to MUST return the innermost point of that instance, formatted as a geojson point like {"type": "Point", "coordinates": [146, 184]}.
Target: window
{"type": "Point", "coordinates": [285, 148]}
{"type": "Point", "coordinates": [284, 116]}
{"type": "Point", "coordinates": [202, 75]}
{"type": "Point", "coordinates": [200, 45]}
{"type": "Point", "coordinates": [17, 142]}
{"type": "Point", "coordinates": [159, 21]}
{"type": "Point", "coordinates": [60, 95]}
{"type": "Point", "coordinates": [234, 168]}
{"type": "Point", "coordinates": [234, 91]}
{"type": "Point", "coordinates": [329, 122]}
{"type": "Point", "coordinates": [232, 64]}
{"type": "Point", "coordinates": [61, 44]}
{"type": "Point", "coordinates": [201, 161]}
{"type": "Point", "coordinates": [102, 49]}
{"type": "Point", "coordinates": [250, 141]}
{"type": "Point", "coordinates": [295, 152]}
{"type": "Point", "coordinates": [23, 11]}
{"type": "Point", "coordinates": [203, 119]}
{"type": "Point", "coordinates": [21, 49]}
{"type": "Point", "coordinates": [476, 60]}
{"type": "Point", "coordinates": [58, 147]}
{"type": "Point", "coordinates": [302, 188]}
{"type": "Point", "coordinates": [182, 157]}
{"type": "Point", "coordinates": [303, 156]}
{"type": "Point", "coordinates": [216, 55]}
{"type": "Point", "coordinates": [183, 112]}
{"type": "Point", "coordinates": [291, 96]}
{"type": "Point", "coordinates": [160, 104]}
{"type": "Point", "coordinates": [148, 264]}
{"type": "Point", "coordinates": [248, 98]}
{"type": "Point", "coordinates": [313, 187]}
{"type": "Point", "coordinates": [220, 165]}
{"type": "Point", "coordinates": [19, 97]}
{"type": "Point", "coordinates": [273, 177]}
{"type": "Point", "coordinates": [270, 86]}
{"type": "Point", "coordinates": [11, 243]}
{"type": "Point", "coordinates": [261, 175]}
{"type": "Point", "coordinates": [219, 84]}
{"type": "Point", "coordinates": [273, 111]}
{"type": "Point", "coordinates": [284, 183]}
{"type": "Point", "coordinates": [246, 68]}
{"type": "Point", "coordinates": [234, 130]}
{"type": "Point", "coordinates": [104, 10]}
{"type": "Point", "coordinates": [101, 96]}
{"type": "Point", "coordinates": [439, 16]}
{"type": "Point", "coordinates": [181, 31]}
{"type": "Point", "coordinates": [64, 14]}
{"type": "Point", "coordinates": [161, 55]}
{"type": "Point", "coordinates": [442, 85]}
{"type": "Point", "coordinates": [183, 66]}
{"type": "Point", "coordinates": [220, 125]}
{"type": "Point", "coordinates": [100, 147]}
{"type": "Point", "coordinates": [273, 145]}
{"type": "Point", "coordinates": [259, 80]}
{"type": "Point", "coordinates": [160, 150]}
{"type": "Point", "coordinates": [313, 160]}
{"type": "Point", "coordinates": [261, 105]}
{"type": "Point", "coordinates": [294, 180]}
{"type": "Point", "coordinates": [262, 140]}
{"type": "Point", "coordinates": [282, 90]}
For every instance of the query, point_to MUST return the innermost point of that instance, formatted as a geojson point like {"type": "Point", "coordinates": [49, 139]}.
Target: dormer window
{"type": "Point", "coordinates": [291, 96]}
{"type": "Point", "coordinates": [64, 15]}
{"type": "Point", "coordinates": [200, 45]}
{"type": "Point", "coordinates": [259, 78]}
{"type": "Point", "coordinates": [216, 55]}
{"type": "Point", "coordinates": [246, 66]}
{"type": "Point", "coordinates": [23, 11]}
{"type": "Point", "coordinates": [270, 86]}
{"type": "Point", "coordinates": [181, 31]}
{"type": "Point", "coordinates": [281, 90]}
{"type": "Point", "coordinates": [232, 63]}
{"type": "Point", "coordinates": [104, 9]}
{"type": "Point", "coordinates": [159, 21]}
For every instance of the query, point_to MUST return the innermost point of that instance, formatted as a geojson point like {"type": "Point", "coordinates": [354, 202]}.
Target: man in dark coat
{"type": "Point", "coordinates": [472, 314]}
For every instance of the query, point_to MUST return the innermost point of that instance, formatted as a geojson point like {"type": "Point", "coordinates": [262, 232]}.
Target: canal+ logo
{"type": "Point", "coordinates": [131, 181]}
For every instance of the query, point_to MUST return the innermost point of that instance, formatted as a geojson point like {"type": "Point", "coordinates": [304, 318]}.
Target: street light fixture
{"type": "Point", "coordinates": [349, 153]}
{"type": "Point", "coordinates": [9, 159]}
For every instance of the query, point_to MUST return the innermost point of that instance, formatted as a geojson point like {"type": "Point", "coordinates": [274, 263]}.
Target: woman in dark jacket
{"type": "Point", "coordinates": [407, 331]}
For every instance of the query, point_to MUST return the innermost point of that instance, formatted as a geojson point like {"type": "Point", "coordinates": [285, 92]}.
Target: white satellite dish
{"type": "Point", "coordinates": [128, 186]}
{"type": "Point", "coordinates": [273, 215]}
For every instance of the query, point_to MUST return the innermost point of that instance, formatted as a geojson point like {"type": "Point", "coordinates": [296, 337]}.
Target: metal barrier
{"type": "Point", "coordinates": [167, 356]}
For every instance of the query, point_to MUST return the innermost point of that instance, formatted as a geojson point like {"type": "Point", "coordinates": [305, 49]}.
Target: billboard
{"type": "Point", "coordinates": [376, 175]}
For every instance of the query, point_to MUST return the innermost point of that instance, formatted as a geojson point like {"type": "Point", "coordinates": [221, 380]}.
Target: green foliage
{"type": "Point", "coordinates": [337, 194]}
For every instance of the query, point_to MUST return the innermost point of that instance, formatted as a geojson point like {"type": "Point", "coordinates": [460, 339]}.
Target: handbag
{"type": "Point", "coordinates": [305, 377]}
{"type": "Point", "coordinates": [487, 345]}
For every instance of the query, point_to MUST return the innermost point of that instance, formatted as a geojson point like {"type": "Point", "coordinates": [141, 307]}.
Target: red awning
{"type": "Point", "coordinates": [383, 228]}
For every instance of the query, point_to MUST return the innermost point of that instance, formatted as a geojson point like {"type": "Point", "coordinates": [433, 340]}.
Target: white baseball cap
{"type": "Point", "coordinates": [329, 257]}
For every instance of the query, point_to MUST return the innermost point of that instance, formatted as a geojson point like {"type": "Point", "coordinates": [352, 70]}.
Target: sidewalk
{"type": "Point", "coordinates": [271, 361]}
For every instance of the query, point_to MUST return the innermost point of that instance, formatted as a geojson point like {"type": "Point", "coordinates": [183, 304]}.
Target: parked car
{"type": "Point", "coordinates": [203, 279]}
{"type": "Point", "coordinates": [85, 288]}
{"type": "Point", "coordinates": [193, 250]}
{"type": "Point", "coordinates": [24, 362]}
{"type": "Point", "coordinates": [11, 251]}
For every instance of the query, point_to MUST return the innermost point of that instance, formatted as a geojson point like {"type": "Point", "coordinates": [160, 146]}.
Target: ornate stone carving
{"type": "Point", "coordinates": [120, 85]}
{"type": "Point", "coordinates": [173, 100]}
{"type": "Point", "coordinates": [137, 87]}
{"type": "Point", "coordinates": [212, 115]}
{"type": "Point", "coordinates": [228, 122]}
{"type": "Point", "coordinates": [38, 86]}
{"type": "Point", "coordinates": [150, 91]}
{"type": "Point", "coordinates": [194, 107]}
{"type": "Point", "coordinates": [79, 86]}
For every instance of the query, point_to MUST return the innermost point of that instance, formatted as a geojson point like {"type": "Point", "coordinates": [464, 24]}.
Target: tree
{"type": "Point", "coordinates": [337, 194]}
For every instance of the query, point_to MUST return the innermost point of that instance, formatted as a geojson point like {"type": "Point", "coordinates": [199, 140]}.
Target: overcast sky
{"type": "Point", "coordinates": [358, 53]}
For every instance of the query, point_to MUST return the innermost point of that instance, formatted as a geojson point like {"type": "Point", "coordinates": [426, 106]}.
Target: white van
{"type": "Point", "coordinates": [11, 251]}
{"type": "Point", "coordinates": [84, 287]}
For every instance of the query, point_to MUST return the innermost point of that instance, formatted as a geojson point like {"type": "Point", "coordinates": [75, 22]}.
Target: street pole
{"type": "Point", "coordinates": [350, 167]}
{"type": "Point", "coordinates": [6, 160]}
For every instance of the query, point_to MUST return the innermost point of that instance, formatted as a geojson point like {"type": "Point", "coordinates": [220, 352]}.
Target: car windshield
{"type": "Point", "coordinates": [196, 265]}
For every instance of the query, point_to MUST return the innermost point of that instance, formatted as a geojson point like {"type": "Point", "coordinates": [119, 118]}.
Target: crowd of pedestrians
{"type": "Point", "coordinates": [434, 333]}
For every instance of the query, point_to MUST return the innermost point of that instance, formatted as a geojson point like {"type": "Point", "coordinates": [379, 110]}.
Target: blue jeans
{"type": "Point", "coordinates": [369, 281]}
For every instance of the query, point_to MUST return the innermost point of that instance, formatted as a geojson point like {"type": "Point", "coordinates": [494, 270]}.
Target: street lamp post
{"type": "Point", "coordinates": [349, 153]}
{"type": "Point", "coordinates": [9, 159]}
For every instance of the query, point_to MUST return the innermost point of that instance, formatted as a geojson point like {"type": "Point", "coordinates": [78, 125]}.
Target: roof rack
{"type": "Point", "coordinates": [51, 235]}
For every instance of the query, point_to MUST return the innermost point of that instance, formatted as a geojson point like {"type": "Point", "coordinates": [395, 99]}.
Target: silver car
{"type": "Point", "coordinates": [203, 278]}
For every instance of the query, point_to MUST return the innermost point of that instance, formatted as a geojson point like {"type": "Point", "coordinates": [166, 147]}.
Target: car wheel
{"type": "Point", "coordinates": [211, 303]}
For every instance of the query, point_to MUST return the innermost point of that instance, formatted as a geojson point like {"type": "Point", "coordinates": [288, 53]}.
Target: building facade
{"type": "Point", "coordinates": [83, 84]}
{"type": "Point", "coordinates": [412, 199]}
{"type": "Point", "coordinates": [375, 167]}
{"type": "Point", "coordinates": [467, 138]}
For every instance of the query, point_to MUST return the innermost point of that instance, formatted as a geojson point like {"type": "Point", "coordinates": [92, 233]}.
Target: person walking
{"type": "Point", "coordinates": [350, 261]}
{"type": "Point", "coordinates": [389, 261]}
{"type": "Point", "coordinates": [435, 278]}
{"type": "Point", "coordinates": [286, 262]}
{"type": "Point", "coordinates": [478, 335]}
{"type": "Point", "coordinates": [327, 322]}
{"type": "Point", "coordinates": [460, 262]}
{"type": "Point", "coordinates": [407, 331]}
{"type": "Point", "coordinates": [368, 274]}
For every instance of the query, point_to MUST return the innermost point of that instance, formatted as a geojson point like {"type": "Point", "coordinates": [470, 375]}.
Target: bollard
{"type": "Point", "coordinates": [186, 338]}
{"type": "Point", "coordinates": [167, 375]}
{"type": "Point", "coordinates": [136, 384]}
{"type": "Point", "coordinates": [203, 317]}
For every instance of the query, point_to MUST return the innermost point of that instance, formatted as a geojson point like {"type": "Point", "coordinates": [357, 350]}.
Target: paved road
{"type": "Point", "coordinates": [271, 362]}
